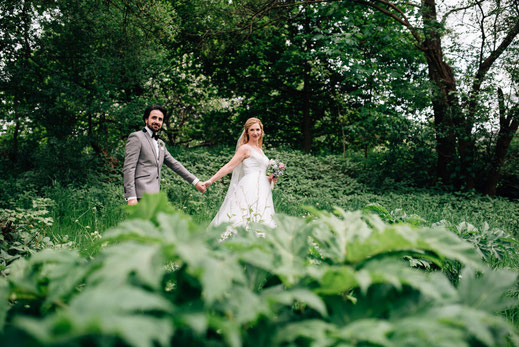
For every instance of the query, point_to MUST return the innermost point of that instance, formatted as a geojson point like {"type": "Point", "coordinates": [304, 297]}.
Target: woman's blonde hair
{"type": "Point", "coordinates": [245, 136]}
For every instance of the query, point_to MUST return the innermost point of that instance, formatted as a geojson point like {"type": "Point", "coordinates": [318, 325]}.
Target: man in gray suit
{"type": "Point", "coordinates": [144, 156]}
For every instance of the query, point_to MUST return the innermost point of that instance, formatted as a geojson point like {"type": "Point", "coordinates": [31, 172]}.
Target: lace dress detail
{"type": "Point", "coordinates": [250, 200]}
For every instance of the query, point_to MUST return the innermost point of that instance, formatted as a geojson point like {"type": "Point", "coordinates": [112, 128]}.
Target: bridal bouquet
{"type": "Point", "coordinates": [277, 169]}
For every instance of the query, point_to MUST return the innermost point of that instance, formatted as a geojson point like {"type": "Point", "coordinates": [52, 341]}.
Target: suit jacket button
{"type": "Point", "coordinates": [157, 177]}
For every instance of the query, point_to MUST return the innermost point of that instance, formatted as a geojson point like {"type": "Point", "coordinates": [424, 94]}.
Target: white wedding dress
{"type": "Point", "coordinates": [249, 197]}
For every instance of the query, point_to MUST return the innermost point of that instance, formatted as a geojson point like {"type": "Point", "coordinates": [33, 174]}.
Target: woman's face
{"type": "Point", "coordinates": [254, 132]}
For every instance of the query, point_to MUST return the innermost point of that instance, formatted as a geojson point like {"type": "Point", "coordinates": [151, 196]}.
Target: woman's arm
{"type": "Point", "coordinates": [242, 153]}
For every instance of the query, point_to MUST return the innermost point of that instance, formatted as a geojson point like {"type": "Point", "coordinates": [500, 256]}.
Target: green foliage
{"type": "Point", "coordinates": [509, 183]}
{"type": "Point", "coordinates": [331, 279]}
{"type": "Point", "coordinates": [297, 57]}
{"type": "Point", "coordinates": [25, 231]}
{"type": "Point", "coordinates": [494, 245]}
{"type": "Point", "coordinates": [327, 77]}
{"type": "Point", "coordinates": [322, 181]}
{"type": "Point", "coordinates": [98, 65]}
{"type": "Point", "coordinates": [325, 181]}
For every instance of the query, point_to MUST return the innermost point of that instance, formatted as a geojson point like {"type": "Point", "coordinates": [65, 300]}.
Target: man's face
{"type": "Point", "coordinates": [154, 121]}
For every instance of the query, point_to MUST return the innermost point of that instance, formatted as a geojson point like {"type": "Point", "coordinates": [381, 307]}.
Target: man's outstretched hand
{"type": "Point", "coordinates": [132, 202]}
{"type": "Point", "coordinates": [200, 186]}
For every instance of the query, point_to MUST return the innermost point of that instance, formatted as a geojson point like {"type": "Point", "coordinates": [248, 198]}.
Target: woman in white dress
{"type": "Point", "coordinates": [249, 197]}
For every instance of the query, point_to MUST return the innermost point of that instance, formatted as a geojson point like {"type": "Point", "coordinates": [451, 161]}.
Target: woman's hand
{"type": "Point", "coordinates": [273, 178]}
{"type": "Point", "coordinates": [208, 183]}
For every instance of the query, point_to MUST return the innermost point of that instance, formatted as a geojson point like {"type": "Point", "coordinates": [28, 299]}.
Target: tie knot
{"type": "Point", "coordinates": [155, 136]}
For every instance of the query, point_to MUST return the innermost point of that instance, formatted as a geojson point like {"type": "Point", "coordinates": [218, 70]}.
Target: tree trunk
{"type": "Point", "coordinates": [91, 137]}
{"type": "Point", "coordinates": [444, 101]}
{"type": "Point", "coordinates": [307, 117]}
{"type": "Point", "coordinates": [18, 90]}
{"type": "Point", "coordinates": [467, 146]}
{"type": "Point", "coordinates": [14, 151]}
{"type": "Point", "coordinates": [507, 129]}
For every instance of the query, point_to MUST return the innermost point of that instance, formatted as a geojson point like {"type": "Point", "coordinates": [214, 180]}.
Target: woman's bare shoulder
{"type": "Point", "coordinates": [244, 149]}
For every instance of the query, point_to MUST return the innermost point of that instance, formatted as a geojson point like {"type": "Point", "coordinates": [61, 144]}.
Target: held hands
{"type": "Point", "coordinates": [272, 179]}
{"type": "Point", "coordinates": [201, 187]}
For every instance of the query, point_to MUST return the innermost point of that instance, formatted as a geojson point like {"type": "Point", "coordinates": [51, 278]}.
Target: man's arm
{"type": "Point", "coordinates": [131, 157]}
{"type": "Point", "coordinates": [176, 166]}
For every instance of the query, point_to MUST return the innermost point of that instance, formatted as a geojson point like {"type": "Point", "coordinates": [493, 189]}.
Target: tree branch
{"type": "Point", "coordinates": [458, 9]}
{"type": "Point", "coordinates": [489, 61]}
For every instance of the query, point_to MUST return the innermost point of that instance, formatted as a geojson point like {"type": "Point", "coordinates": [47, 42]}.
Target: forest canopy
{"type": "Point", "coordinates": [432, 86]}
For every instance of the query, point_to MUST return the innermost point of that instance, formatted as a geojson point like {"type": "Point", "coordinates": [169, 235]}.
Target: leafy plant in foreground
{"type": "Point", "coordinates": [333, 279]}
{"type": "Point", "coordinates": [492, 243]}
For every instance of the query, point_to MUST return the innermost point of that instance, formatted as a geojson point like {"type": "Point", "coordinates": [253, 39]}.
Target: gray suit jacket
{"type": "Point", "coordinates": [142, 169]}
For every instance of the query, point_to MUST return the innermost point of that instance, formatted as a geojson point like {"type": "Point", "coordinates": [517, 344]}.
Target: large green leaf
{"type": "Point", "coordinates": [4, 301]}
{"type": "Point", "coordinates": [150, 206]}
{"type": "Point", "coordinates": [111, 311]}
{"type": "Point", "coordinates": [341, 279]}
{"type": "Point", "coordinates": [137, 229]}
{"type": "Point", "coordinates": [398, 274]}
{"type": "Point", "coordinates": [447, 244]}
{"type": "Point", "coordinates": [186, 244]}
{"type": "Point", "coordinates": [243, 306]}
{"type": "Point", "coordinates": [334, 234]}
{"type": "Point", "coordinates": [228, 329]}
{"type": "Point", "coordinates": [108, 300]}
{"type": "Point", "coordinates": [310, 332]}
{"type": "Point", "coordinates": [426, 330]}
{"type": "Point", "coordinates": [280, 295]}
{"type": "Point", "coordinates": [218, 276]}
{"type": "Point", "coordinates": [487, 291]}
{"type": "Point", "coordinates": [335, 279]}
{"type": "Point", "coordinates": [289, 247]}
{"type": "Point", "coordinates": [136, 330]}
{"type": "Point", "coordinates": [453, 325]}
{"type": "Point", "coordinates": [354, 237]}
{"type": "Point", "coordinates": [371, 331]}
{"type": "Point", "coordinates": [258, 255]}
{"type": "Point", "coordinates": [60, 270]}
{"type": "Point", "coordinates": [117, 263]}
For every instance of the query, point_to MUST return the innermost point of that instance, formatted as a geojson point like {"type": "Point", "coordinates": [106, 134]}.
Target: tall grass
{"type": "Point", "coordinates": [82, 212]}
{"type": "Point", "coordinates": [322, 182]}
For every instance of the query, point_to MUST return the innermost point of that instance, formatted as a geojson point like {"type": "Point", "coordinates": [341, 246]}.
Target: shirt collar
{"type": "Point", "coordinates": [149, 132]}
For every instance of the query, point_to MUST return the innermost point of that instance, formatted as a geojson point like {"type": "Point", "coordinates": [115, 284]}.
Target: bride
{"type": "Point", "coordinates": [249, 197]}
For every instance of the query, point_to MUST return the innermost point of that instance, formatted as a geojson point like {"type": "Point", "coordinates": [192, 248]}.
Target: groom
{"type": "Point", "coordinates": [145, 153]}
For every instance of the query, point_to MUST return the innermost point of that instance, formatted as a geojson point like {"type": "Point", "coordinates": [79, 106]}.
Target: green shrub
{"type": "Point", "coordinates": [332, 279]}
{"type": "Point", "coordinates": [25, 231]}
